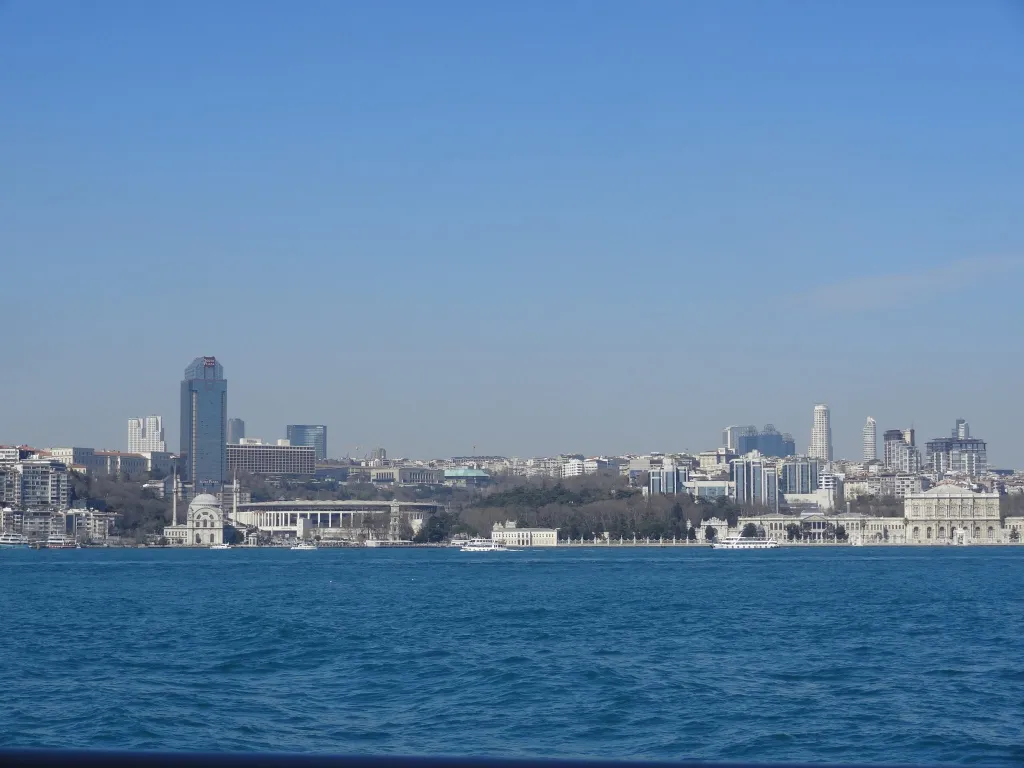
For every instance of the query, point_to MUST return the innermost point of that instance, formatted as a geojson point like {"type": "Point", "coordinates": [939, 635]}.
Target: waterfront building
{"type": "Point", "coordinates": [821, 434]}
{"type": "Point", "coordinates": [41, 483]}
{"type": "Point", "coordinates": [146, 434]}
{"type": "Point", "coordinates": [949, 513]}
{"type": "Point", "coordinates": [720, 527]}
{"type": "Point", "coordinates": [511, 535]}
{"type": "Point", "coordinates": [260, 459]}
{"type": "Point", "coordinates": [90, 524]}
{"type": "Point", "coordinates": [756, 481]}
{"type": "Point", "coordinates": [338, 520]}
{"type": "Point", "coordinates": [204, 524]}
{"type": "Point", "coordinates": [870, 440]}
{"type": "Point", "coordinates": [236, 431]}
{"type": "Point", "coordinates": [798, 474]}
{"type": "Point", "coordinates": [314, 435]}
{"type": "Point", "coordinates": [768, 442]}
{"type": "Point", "coordinates": [204, 407]}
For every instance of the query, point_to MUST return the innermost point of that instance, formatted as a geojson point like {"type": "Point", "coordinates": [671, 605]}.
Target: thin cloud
{"type": "Point", "coordinates": [875, 291]}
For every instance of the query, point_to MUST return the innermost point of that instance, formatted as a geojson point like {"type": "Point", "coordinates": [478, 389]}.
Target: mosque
{"type": "Point", "coordinates": [203, 526]}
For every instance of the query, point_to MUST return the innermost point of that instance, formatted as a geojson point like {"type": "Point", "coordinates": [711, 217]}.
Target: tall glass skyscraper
{"type": "Point", "coordinates": [314, 435]}
{"type": "Point", "coordinates": [204, 408]}
{"type": "Point", "coordinates": [236, 431]}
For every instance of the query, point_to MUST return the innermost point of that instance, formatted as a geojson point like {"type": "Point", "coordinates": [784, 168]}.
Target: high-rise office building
{"type": "Point", "coordinates": [769, 442]}
{"type": "Point", "coordinates": [821, 434]}
{"type": "Point", "coordinates": [756, 480]}
{"type": "Point", "coordinates": [870, 440]}
{"type": "Point", "coordinates": [236, 431]}
{"type": "Point", "coordinates": [731, 437]}
{"type": "Point", "coordinates": [314, 435]}
{"type": "Point", "coordinates": [146, 434]}
{"type": "Point", "coordinates": [204, 425]}
{"type": "Point", "coordinates": [962, 430]}
{"type": "Point", "coordinates": [798, 474]}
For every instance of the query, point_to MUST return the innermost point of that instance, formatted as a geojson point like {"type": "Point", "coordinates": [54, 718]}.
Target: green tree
{"type": "Point", "coordinates": [1014, 535]}
{"type": "Point", "coordinates": [749, 531]}
{"type": "Point", "coordinates": [710, 533]}
{"type": "Point", "coordinates": [691, 534]}
{"type": "Point", "coordinates": [841, 534]}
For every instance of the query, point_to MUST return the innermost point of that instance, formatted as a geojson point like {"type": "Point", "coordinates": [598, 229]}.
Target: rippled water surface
{"type": "Point", "coordinates": [833, 654]}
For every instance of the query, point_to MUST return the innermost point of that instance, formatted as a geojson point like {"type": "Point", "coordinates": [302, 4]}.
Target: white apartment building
{"type": "Point", "coordinates": [146, 434]}
{"type": "Point", "coordinates": [9, 454]}
{"type": "Point", "coordinates": [41, 483]}
{"type": "Point", "coordinates": [573, 468]}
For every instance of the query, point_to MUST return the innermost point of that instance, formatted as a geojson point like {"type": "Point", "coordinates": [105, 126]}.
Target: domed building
{"type": "Point", "coordinates": [204, 524]}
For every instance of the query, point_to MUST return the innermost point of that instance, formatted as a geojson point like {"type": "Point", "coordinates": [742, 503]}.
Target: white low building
{"type": "Point", "coordinates": [513, 536]}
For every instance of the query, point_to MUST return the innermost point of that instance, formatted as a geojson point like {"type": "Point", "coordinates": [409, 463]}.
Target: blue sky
{"type": "Point", "coordinates": [528, 227]}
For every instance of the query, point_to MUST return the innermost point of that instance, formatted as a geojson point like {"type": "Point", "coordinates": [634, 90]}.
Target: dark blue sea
{"type": "Point", "coordinates": [866, 654]}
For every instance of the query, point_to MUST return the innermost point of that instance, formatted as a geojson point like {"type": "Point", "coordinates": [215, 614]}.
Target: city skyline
{"type": "Point", "coordinates": [495, 259]}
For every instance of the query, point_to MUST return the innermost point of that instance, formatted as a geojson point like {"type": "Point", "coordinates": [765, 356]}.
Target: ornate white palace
{"type": "Point", "coordinates": [945, 514]}
{"type": "Point", "coordinates": [949, 513]}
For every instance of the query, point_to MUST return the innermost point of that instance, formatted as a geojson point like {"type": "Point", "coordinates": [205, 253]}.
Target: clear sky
{"type": "Point", "coordinates": [530, 227]}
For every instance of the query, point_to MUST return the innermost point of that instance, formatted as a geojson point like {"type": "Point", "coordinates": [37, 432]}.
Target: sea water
{"type": "Point", "coordinates": [867, 654]}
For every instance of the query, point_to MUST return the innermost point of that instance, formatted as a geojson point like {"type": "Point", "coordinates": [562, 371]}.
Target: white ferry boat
{"type": "Point", "coordinates": [13, 541]}
{"type": "Point", "coordinates": [220, 546]}
{"type": "Point", "coordinates": [738, 542]}
{"type": "Point", "coordinates": [61, 541]}
{"type": "Point", "coordinates": [305, 546]}
{"type": "Point", "coordinates": [483, 545]}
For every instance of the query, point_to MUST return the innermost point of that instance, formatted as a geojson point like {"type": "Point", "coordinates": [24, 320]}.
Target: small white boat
{"type": "Point", "coordinates": [738, 542]}
{"type": "Point", "coordinates": [305, 545]}
{"type": "Point", "coordinates": [13, 541]}
{"type": "Point", "coordinates": [483, 545]}
{"type": "Point", "coordinates": [220, 546]}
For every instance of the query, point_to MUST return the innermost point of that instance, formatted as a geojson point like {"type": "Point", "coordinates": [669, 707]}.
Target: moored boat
{"type": "Point", "coordinates": [739, 542]}
{"type": "Point", "coordinates": [13, 541]}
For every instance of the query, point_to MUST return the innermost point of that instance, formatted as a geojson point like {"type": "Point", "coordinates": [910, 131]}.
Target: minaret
{"type": "Point", "coordinates": [174, 497]}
